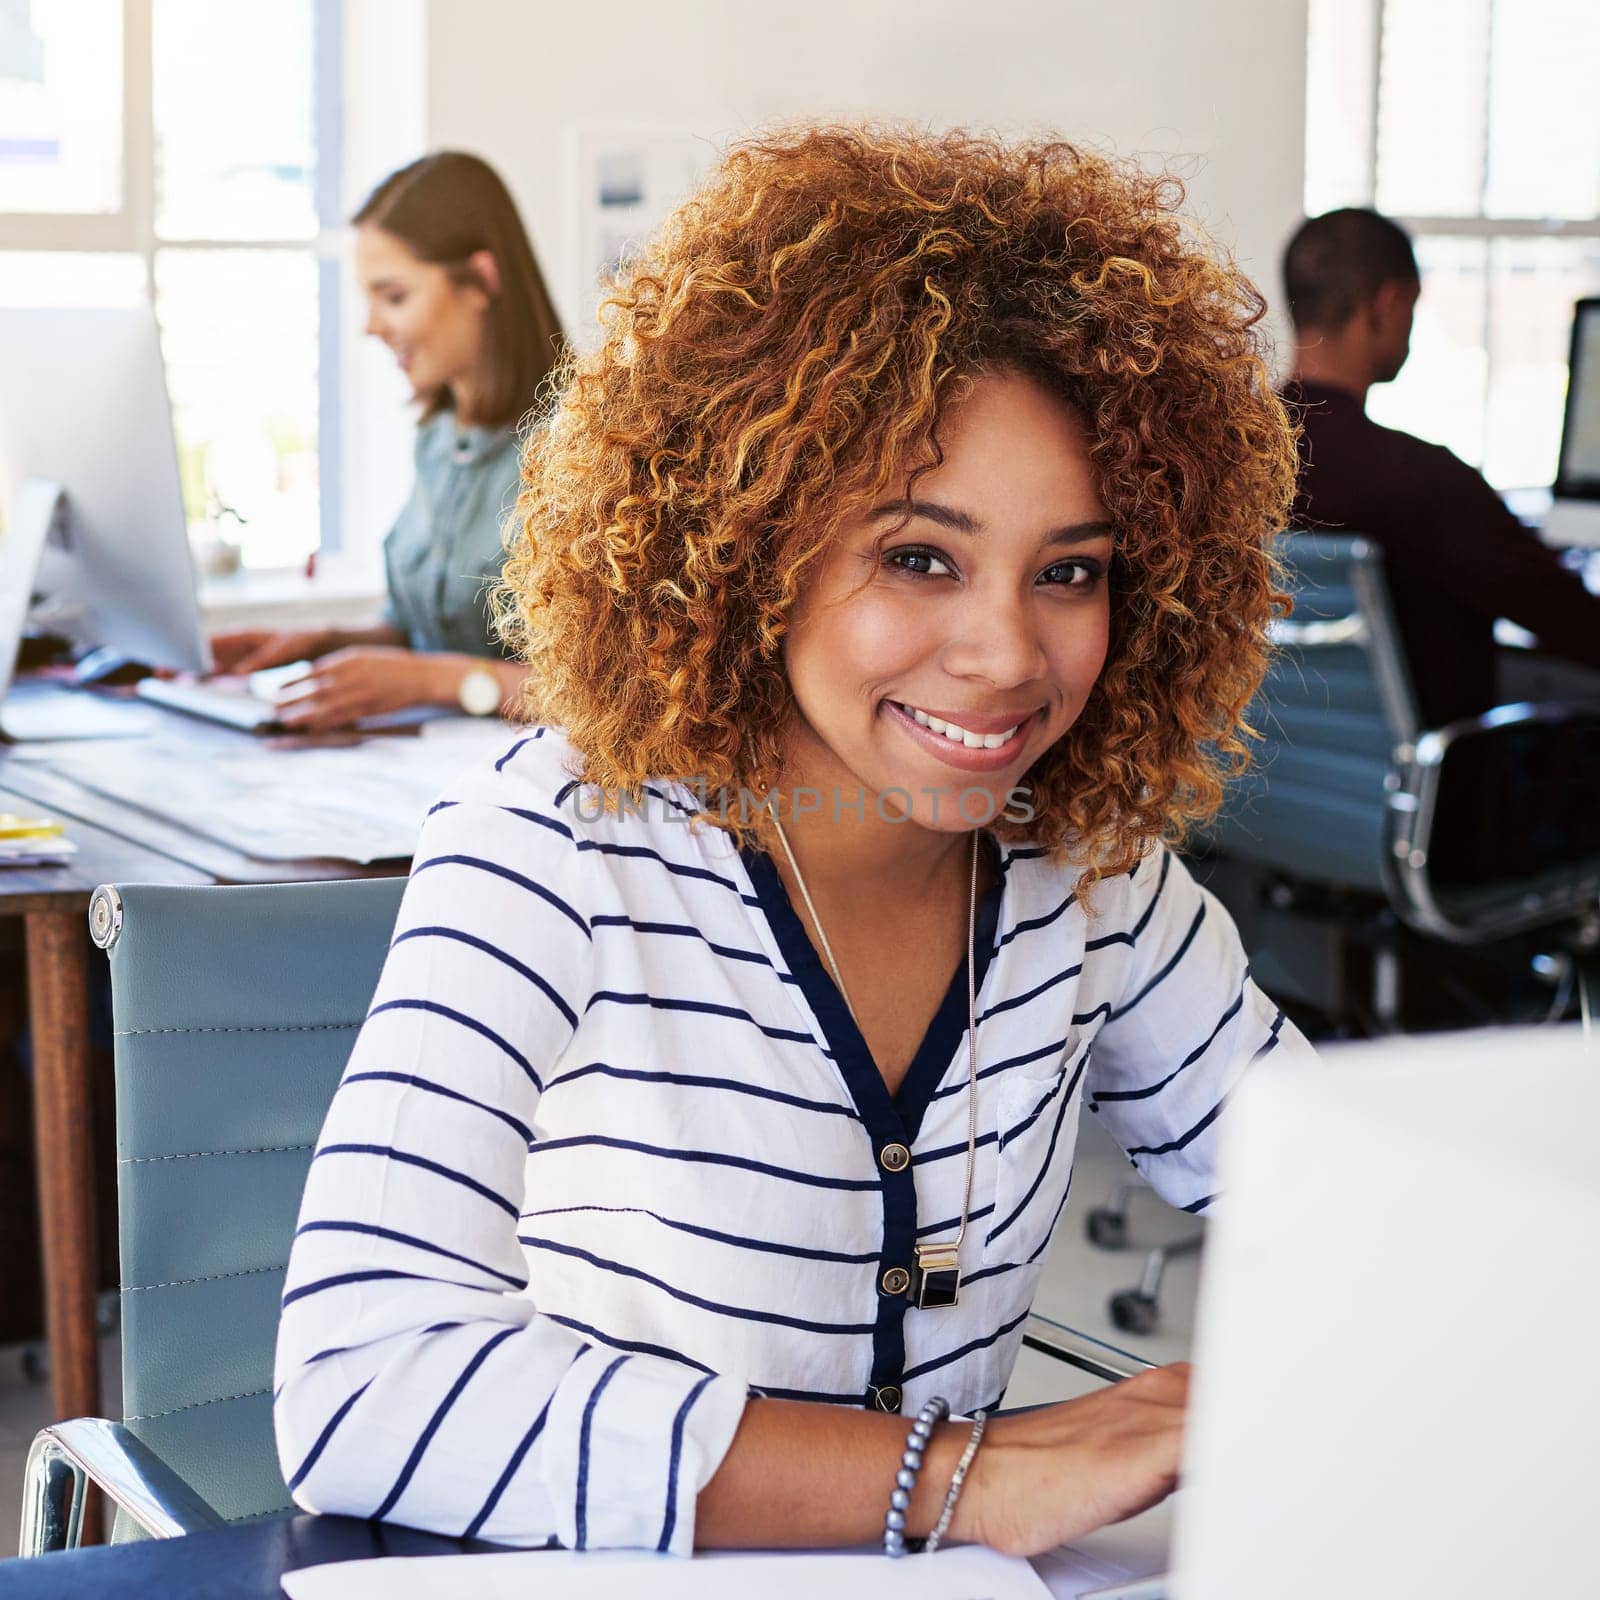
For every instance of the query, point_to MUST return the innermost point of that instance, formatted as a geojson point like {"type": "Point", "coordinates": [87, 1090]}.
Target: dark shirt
{"type": "Point", "coordinates": [1455, 557]}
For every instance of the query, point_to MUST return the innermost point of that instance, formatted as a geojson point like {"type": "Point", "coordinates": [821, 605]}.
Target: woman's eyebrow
{"type": "Point", "coordinates": [964, 522]}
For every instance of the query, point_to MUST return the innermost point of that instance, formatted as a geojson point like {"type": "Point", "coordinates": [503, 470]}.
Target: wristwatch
{"type": "Point", "coordinates": [479, 692]}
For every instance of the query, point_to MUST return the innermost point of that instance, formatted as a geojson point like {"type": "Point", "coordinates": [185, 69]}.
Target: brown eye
{"type": "Point", "coordinates": [1079, 574]}
{"type": "Point", "coordinates": [900, 560]}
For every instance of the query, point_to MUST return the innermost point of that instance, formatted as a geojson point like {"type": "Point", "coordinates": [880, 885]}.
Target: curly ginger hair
{"type": "Point", "coordinates": [783, 351]}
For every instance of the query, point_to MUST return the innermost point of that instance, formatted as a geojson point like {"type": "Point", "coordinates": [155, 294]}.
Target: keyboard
{"type": "Point", "coordinates": [232, 703]}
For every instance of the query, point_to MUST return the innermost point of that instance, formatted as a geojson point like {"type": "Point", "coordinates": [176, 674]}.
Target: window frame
{"type": "Point", "coordinates": [131, 230]}
{"type": "Point", "coordinates": [1475, 226]}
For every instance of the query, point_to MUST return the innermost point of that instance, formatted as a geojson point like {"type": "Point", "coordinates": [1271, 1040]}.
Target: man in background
{"type": "Point", "coordinates": [1455, 557]}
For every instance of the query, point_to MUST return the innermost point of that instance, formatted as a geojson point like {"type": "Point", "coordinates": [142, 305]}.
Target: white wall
{"type": "Point", "coordinates": [1216, 85]}
{"type": "Point", "coordinates": [385, 126]}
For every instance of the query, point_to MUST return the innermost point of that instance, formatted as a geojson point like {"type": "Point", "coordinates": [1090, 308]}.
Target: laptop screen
{"type": "Point", "coordinates": [1578, 477]}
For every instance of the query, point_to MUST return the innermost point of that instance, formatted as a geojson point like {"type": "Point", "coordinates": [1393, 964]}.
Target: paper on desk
{"type": "Point", "coordinates": [968, 1573]}
{"type": "Point", "coordinates": [363, 802]}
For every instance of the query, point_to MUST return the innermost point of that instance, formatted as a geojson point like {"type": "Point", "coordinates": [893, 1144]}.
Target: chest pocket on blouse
{"type": "Point", "coordinates": [1036, 1118]}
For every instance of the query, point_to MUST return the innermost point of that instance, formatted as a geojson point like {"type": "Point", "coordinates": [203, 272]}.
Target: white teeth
{"type": "Point", "coordinates": [961, 736]}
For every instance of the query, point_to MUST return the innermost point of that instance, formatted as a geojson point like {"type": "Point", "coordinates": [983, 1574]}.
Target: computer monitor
{"type": "Point", "coordinates": [1575, 514]}
{"type": "Point", "coordinates": [1394, 1349]}
{"type": "Point", "coordinates": [83, 404]}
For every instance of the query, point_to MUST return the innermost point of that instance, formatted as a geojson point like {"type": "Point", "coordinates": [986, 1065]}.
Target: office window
{"type": "Point", "coordinates": [60, 107]}
{"type": "Point", "coordinates": [1475, 125]}
{"type": "Point", "coordinates": [198, 144]}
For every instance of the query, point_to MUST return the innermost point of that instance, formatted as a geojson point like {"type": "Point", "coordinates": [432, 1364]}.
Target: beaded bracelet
{"type": "Point", "coordinates": [980, 1420]}
{"type": "Point", "coordinates": [905, 1480]}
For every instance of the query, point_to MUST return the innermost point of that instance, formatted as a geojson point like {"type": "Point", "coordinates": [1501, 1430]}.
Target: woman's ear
{"type": "Point", "coordinates": [487, 270]}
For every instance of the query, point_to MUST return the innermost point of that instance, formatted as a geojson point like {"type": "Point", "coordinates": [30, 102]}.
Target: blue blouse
{"type": "Point", "coordinates": [445, 551]}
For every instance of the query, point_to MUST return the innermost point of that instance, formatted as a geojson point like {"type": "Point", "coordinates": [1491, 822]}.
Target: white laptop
{"type": "Point", "coordinates": [1397, 1354]}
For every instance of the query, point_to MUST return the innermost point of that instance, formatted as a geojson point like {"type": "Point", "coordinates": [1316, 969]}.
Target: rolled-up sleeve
{"type": "Point", "coordinates": [1188, 1023]}
{"type": "Point", "coordinates": [416, 1379]}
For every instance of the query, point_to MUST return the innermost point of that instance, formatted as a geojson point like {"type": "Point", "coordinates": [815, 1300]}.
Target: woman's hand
{"type": "Point", "coordinates": [361, 681]}
{"type": "Point", "coordinates": [1045, 1477]}
{"type": "Point", "coordinates": [252, 649]}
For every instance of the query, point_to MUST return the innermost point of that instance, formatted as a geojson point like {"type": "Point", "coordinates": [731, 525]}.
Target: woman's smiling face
{"type": "Point", "coordinates": [954, 657]}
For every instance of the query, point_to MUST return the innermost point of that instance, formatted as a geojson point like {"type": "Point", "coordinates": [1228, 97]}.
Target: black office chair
{"type": "Point", "coordinates": [1359, 830]}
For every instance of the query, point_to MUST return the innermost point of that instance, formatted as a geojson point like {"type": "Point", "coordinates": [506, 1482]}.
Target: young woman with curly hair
{"type": "Point", "coordinates": [895, 576]}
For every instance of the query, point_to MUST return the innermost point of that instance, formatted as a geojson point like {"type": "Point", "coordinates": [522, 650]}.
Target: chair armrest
{"type": "Point", "coordinates": [1558, 889]}
{"type": "Point", "coordinates": [1094, 1356]}
{"type": "Point", "coordinates": [1432, 745]}
{"type": "Point", "coordinates": [65, 1457]}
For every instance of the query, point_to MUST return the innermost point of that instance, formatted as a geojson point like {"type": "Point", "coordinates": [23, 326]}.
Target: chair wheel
{"type": "Point", "coordinates": [35, 1365]}
{"type": "Point", "coordinates": [1107, 1228]}
{"type": "Point", "coordinates": [1134, 1312]}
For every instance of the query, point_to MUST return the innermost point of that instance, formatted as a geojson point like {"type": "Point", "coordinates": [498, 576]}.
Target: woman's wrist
{"type": "Point", "coordinates": [939, 1463]}
{"type": "Point", "coordinates": [966, 1521]}
{"type": "Point", "coordinates": [898, 1538]}
{"type": "Point", "coordinates": [952, 1499]}
{"type": "Point", "coordinates": [437, 677]}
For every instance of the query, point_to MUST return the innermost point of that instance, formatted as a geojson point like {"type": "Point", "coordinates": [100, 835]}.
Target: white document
{"type": "Point", "coordinates": [363, 802]}
{"type": "Point", "coordinates": [968, 1572]}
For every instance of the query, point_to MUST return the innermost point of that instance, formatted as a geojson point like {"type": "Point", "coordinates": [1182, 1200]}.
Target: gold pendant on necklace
{"type": "Point", "coordinates": [938, 1275]}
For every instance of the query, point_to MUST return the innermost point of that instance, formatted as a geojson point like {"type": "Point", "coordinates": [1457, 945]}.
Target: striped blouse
{"type": "Point", "coordinates": [609, 1156]}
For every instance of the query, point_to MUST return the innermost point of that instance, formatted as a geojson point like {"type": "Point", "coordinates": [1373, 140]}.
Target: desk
{"type": "Point", "coordinates": [248, 1562]}
{"type": "Point", "coordinates": [115, 843]}
{"type": "Point", "coordinates": [241, 1563]}
{"type": "Point", "coordinates": [53, 903]}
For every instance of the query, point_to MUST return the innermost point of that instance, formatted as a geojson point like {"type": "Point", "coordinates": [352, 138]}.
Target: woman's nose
{"type": "Point", "coordinates": [999, 641]}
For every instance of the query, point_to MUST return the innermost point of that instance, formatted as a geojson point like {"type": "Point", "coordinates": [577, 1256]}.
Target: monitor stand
{"type": "Point", "coordinates": [35, 709]}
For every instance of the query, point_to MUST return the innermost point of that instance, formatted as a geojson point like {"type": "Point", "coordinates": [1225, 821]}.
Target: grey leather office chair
{"type": "Point", "coordinates": [234, 1010]}
{"type": "Point", "coordinates": [1351, 791]}
{"type": "Point", "coordinates": [1348, 795]}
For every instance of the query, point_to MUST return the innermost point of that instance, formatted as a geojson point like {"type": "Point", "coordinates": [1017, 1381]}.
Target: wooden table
{"type": "Point", "coordinates": [53, 902]}
{"type": "Point", "coordinates": [116, 843]}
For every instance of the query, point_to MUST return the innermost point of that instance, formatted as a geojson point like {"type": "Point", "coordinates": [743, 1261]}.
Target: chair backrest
{"type": "Point", "coordinates": [234, 1011]}
{"type": "Point", "coordinates": [1336, 707]}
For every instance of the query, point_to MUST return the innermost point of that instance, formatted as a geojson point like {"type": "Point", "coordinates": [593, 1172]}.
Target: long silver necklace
{"type": "Point", "coordinates": [938, 1275]}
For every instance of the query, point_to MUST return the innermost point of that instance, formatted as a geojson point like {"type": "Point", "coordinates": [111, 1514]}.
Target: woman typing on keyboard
{"type": "Point", "coordinates": [900, 560]}
{"type": "Point", "coordinates": [455, 292]}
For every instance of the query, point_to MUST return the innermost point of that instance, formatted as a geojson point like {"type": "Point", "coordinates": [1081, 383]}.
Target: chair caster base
{"type": "Point", "coordinates": [1107, 1229]}
{"type": "Point", "coordinates": [1134, 1312]}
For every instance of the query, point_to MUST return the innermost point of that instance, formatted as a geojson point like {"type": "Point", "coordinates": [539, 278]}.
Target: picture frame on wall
{"type": "Point", "coordinates": [622, 181]}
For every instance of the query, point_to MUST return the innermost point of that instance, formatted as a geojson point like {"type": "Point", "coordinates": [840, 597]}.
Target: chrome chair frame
{"type": "Point", "coordinates": [1416, 767]}
{"type": "Point", "coordinates": [1412, 806]}
{"type": "Point", "coordinates": [63, 1459]}
{"type": "Point", "coordinates": [1403, 870]}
